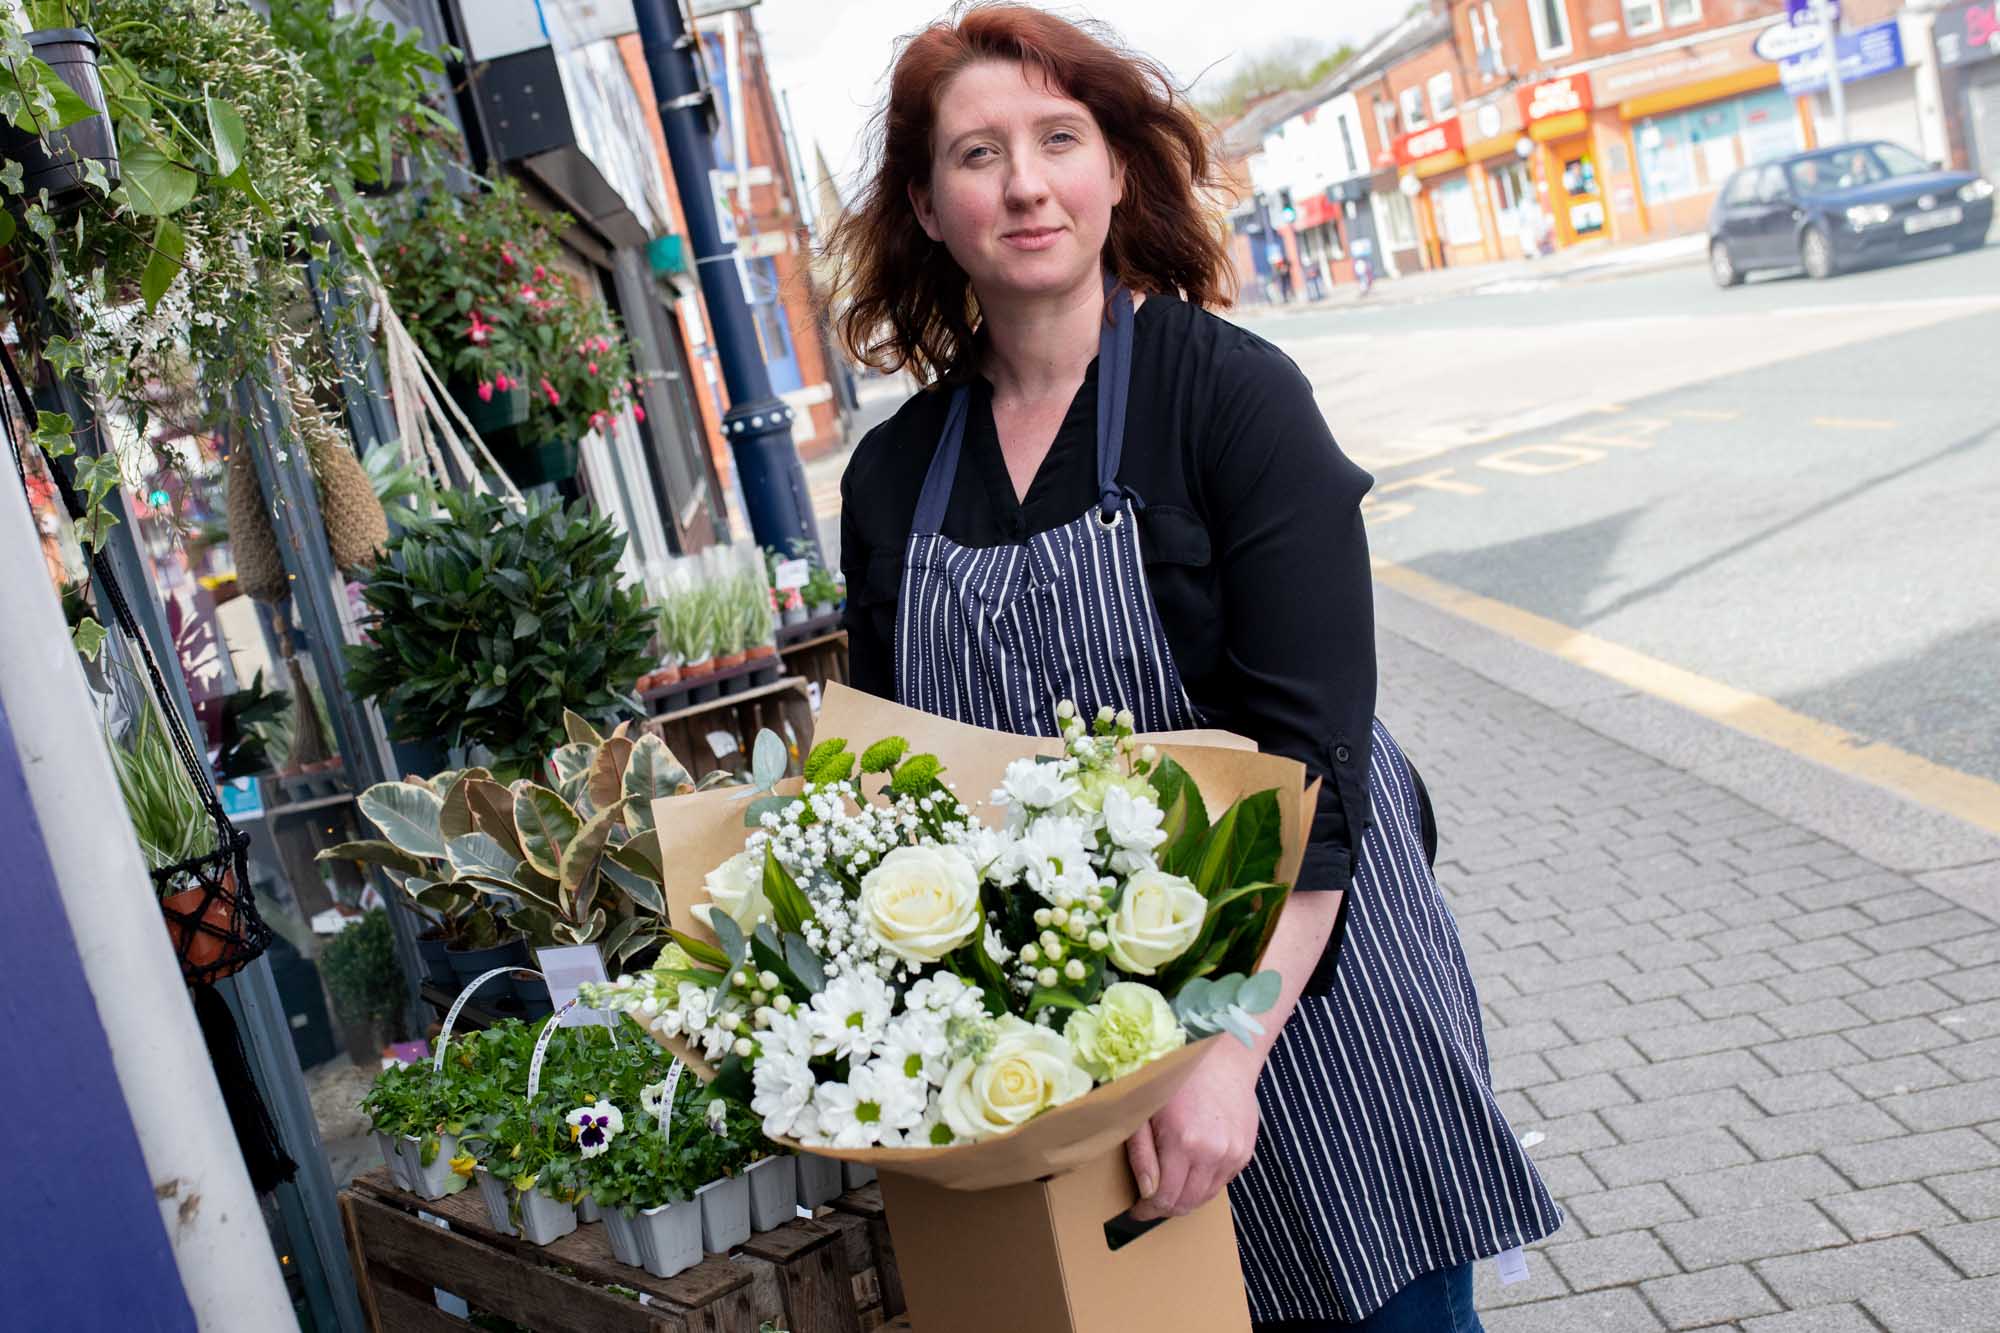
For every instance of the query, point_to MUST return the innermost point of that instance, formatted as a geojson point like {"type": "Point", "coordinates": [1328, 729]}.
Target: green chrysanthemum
{"type": "Point", "coordinates": [884, 755]}
{"type": "Point", "coordinates": [917, 775]}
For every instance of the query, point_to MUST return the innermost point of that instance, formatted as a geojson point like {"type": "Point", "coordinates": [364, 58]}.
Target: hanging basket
{"type": "Point", "coordinates": [55, 162]}
{"type": "Point", "coordinates": [211, 916]}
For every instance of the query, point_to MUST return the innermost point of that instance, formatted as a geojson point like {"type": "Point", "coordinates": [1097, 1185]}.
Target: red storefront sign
{"type": "Point", "coordinates": [1316, 210]}
{"type": "Point", "coordinates": [1439, 139]}
{"type": "Point", "coordinates": [1557, 97]}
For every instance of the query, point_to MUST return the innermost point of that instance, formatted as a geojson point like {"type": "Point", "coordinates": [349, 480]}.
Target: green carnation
{"type": "Point", "coordinates": [883, 755]}
{"type": "Point", "coordinates": [1132, 1026]}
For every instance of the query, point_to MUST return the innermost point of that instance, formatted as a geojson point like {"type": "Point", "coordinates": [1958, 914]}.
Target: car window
{"type": "Point", "coordinates": [1900, 161]}
{"type": "Point", "coordinates": [1770, 185]}
{"type": "Point", "coordinates": [1742, 189]}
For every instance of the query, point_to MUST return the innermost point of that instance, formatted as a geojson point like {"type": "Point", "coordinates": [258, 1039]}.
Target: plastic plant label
{"type": "Point", "coordinates": [1513, 1266]}
{"type": "Point", "coordinates": [565, 970]}
{"type": "Point", "coordinates": [791, 574]}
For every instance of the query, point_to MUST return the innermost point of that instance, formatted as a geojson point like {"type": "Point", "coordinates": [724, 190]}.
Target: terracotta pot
{"type": "Point", "coordinates": [724, 661]}
{"type": "Point", "coordinates": [647, 681]}
{"type": "Point", "coordinates": [761, 651]}
{"type": "Point", "coordinates": [701, 668]}
{"type": "Point", "coordinates": [667, 676]}
{"type": "Point", "coordinates": [206, 949]}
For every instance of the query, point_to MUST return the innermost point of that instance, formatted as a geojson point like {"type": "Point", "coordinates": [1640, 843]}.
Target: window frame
{"type": "Point", "coordinates": [1538, 20]}
{"type": "Point", "coordinates": [1413, 96]}
{"type": "Point", "coordinates": [1666, 12]}
{"type": "Point", "coordinates": [1658, 22]}
{"type": "Point", "coordinates": [1450, 108]}
{"type": "Point", "coordinates": [1385, 125]}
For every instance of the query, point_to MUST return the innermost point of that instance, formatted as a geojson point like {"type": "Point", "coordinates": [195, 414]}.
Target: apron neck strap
{"type": "Point", "coordinates": [1114, 380]}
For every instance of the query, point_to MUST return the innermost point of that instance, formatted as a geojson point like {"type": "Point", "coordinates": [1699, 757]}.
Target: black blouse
{"type": "Point", "coordinates": [1250, 527]}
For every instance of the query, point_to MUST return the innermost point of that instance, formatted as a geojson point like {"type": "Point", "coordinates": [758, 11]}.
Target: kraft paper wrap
{"type": "Point", "coordinates": [700, 831]}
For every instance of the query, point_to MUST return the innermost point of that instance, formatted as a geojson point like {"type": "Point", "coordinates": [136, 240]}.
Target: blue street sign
{"type": "Point", "coordinates": [1876, 49]}
{"type": "Point", "coordinates": [1800, 13]}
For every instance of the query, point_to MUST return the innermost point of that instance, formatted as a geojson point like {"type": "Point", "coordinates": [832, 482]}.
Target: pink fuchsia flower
{"type": "Point", "coordinates": [461, 238]}
{"type": "Point", "coordinates": [599, 419]}
{"type": "Point", "coordinates": [555, 399]}
{"type": "Point", "coordinates": [478, 329]}
{"type": "Point", "coordinates": [592, 367]}
{"type": "Point", "coordinates": [507, 257]}
{"type": "Point", "coordinates": [486, 391]}
{"type": "Point", "coordinates": [638, 412]}
{"type": "Point", "coordinates": [528, 293]}
{"type": "Point", "coordinates": [540, 273]}
{"type": "Point", "coordinates": [502, 383]}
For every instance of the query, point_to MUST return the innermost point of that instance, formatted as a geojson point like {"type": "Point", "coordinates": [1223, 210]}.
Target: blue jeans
{"type": "Point", "coordinates": [1439, 1302]}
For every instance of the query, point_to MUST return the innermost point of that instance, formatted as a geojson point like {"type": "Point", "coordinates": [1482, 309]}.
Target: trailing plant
{"type": "Point", "coordinates": [253, 722]}
{"type": "Point", "coordinates": [480, 281]}
{"type": "Point", "coordinates": [491, 621]}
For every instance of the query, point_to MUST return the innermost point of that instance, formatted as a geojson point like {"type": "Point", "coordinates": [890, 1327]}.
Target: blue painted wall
{"type": "Point", "coordinates": [86, 1247]}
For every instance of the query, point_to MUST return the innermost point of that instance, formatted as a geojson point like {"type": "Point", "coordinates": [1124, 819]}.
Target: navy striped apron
{"type": "Point", "coordinates": [1381, 1154]}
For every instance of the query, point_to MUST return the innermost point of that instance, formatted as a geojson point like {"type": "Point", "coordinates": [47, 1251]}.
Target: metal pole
{"type": "Point", "coordinates": [1830, 44]}
{"type": "Point", "coordinates": [757, 425]}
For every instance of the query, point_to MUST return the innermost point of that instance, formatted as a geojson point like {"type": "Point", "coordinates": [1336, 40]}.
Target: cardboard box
{"type": "Point", "coordinates": [1037, 1257]}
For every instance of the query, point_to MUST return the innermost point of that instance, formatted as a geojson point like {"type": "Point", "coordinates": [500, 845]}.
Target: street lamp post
{"type": "Point", "coordinates": [758, 424]}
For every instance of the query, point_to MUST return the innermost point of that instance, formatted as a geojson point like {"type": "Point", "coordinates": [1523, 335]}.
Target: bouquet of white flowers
{"type": "Point", "coordinates": [879, 965]}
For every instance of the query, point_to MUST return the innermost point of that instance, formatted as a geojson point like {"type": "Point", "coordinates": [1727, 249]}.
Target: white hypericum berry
{"type": "Point", "coordinates": [768, 980]}
{"type": "Point", "coordinates": [1047, 977]}
{"type": "Point", "coordinates": [783, 1004]}
{"type": "Point", "coordinates": [1065, 710]}
{"type": "Point", "coordinates": [1030, 954]}
{"type": "Point", "coordinates": [1049, 942]}
{"type": "Point", "coordinates": [1074, 970]}
{"type": "Point", "coordinates": [1099, 941]}
{"type": "Point", "coordinates": [744, 1047]}
{"type": "Point", "coordinates": [741, 978]}
{"type": "Point", "coordinates": [1078, 927]}
{"type": "Point", "coordinates": [1107, 714]}
{"type": "Point", "coordinates": [1042, 917]}
{"type": "Point", "coordinates": [760, 997]}
{"type": "Point", "coordinates": [1059, 916]}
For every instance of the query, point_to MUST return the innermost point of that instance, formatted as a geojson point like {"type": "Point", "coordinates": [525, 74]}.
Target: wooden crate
{"type": "Point", "coordinates": [778, 706]}
{"type": "Point", "coordinates": [801, 1276]}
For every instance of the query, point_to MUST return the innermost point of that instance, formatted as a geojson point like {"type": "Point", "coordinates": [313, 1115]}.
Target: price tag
{"type": "Point", "coordinates": [791, 574]}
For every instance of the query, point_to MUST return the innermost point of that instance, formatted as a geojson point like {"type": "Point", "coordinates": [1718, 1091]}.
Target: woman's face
{"type": "Point", "coordinates": [1022, 183]}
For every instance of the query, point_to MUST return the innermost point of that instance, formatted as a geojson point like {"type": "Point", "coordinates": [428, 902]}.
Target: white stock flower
{"type": "Point", "coordinates": [1157, 919]}
{"type": "Point", "coordinates": [1025, 1071]}
{"type": "Point", "coordinates": [920, 903]}
{"type": "Point", "coordinates": [1031, 785]}
{"type": "Point", "coordinates": [1048, 849]}
{"type": "Point", "coordinates": [945, 994]}
{"type": "Point", "coordinates": [851, 1016]}
{"type": "Point", "coordinates": [737, 887]}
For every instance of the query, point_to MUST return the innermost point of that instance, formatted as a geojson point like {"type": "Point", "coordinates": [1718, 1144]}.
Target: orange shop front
{"type": "Point", "coordinates": [1557, 117]}
{"type": "Point", "coordinates": [1432, 164]}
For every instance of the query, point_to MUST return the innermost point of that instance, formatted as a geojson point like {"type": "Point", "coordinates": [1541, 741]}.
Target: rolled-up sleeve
{"type": "Point", "coordinates": [1284, 508]}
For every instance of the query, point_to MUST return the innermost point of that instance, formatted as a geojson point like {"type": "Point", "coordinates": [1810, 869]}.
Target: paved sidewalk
{"type": "Point", "coordinates": [1759, 1070]}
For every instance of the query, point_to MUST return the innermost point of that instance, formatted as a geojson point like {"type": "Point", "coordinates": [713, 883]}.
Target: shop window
{"type": "Point", "coordinates": [1458, 213]}
{"type": "Point", "coordinates": [1443, 102]}
{"type": "Point", "coordinates": [1397, 219]}
{"type": "Point", "coordinates": [1479, 46]}
{"type": "Point", "coordinates": [1666, 159]}
{"type": "Point", "coordinates": [1385, 124]}
{"type": "Point", "coordinates": [1513, 192]}
{"type": "Point", "coordinates": [1412, 100]}
{"type": "Point", "coordinates": [1347, 146]}
{"type": "Point", "coordinates": [1769, 126]}
{"type": "Point", "coordinates": [1493, 42]}
{"type": "Point", "coordinates": [1551, 19]}
{"type": "Point", "coordinates": [1681, 12]}
{"type": "Point", "coordinates": [1642, 16]}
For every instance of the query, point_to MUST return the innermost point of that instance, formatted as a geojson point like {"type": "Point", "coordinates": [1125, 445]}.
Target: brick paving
{"type": "Point", "coordinates": [1760, 1072]}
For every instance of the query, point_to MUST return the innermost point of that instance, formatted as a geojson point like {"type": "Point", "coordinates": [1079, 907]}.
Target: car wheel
{"type": "Point", "coordinates": [1816, 253]}
{"type": "Point", "coordinates": [1721, 267]}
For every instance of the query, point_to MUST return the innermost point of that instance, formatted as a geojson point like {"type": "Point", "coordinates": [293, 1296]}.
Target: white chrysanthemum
{"type": "Point", "coordinates": [1132, 822]}
{"type": "Point", "coordinates": [851, 1016]}
{"type": "Point", "coordinates": [915, 1046]}
{"type": "Point", "coordinates": [782, 1083]}
{"type": "Point", "coordinates": [874, 1106]}
{"type": "Point", "coordinates": [1049, 846]}
{"type": "Point", "coordinates": [1030, 785]}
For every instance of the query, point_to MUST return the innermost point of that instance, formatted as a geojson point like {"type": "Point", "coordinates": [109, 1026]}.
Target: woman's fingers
{"type": "Point", "coordinates": [1174, 1166]}
{"type": "Point", "coordinates": [1145, 1160]}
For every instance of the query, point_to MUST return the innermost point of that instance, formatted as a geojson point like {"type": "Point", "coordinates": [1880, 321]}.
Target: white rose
{"type": "Point", "coordinates": [1026, 1070]}
{"type": "Point", "coordinates": [920, 903]}
{"type": "Point", "coordinates": [737, 887]}
{"type": "Point", "coordinates": [1157, 919]}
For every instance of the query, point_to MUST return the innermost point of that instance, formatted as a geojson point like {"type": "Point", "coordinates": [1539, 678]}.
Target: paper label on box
{"type": "Point", "coordinates": [791, 574]}
{"type": "Point", "coordinates": [566, 970]}
{"type": "Point", "coordinates": [1513, 1266]}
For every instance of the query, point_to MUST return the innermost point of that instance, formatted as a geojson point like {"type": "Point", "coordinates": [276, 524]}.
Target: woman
{"type": "Point", "coordinates": [1112, 496]}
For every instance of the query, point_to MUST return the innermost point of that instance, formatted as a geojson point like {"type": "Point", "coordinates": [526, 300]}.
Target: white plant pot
{"type": "Point", "coordinates": [725, 1213]}
{"type": "Point", "coordinates": [436, 1180]}
{"type": "Point", "coordinates": [670, 1237]}
{"type": "Point", "coordinates": [545, 1221]}
{"type": "Point", "coordinates": [621, 1230]}
{"type": "Point", "coordinates": [493, 1193]}
{"type": "Point", "coordinates": [392, 1157]}
{"type": "Point", "coordinates": [854, 1175]}
{"type": "Point", "coordinates": [774, 1192]}
{"type": "Point", "coordinates": [819, 1180]}
{"type": "Point", "coordinates": [587, 1210]}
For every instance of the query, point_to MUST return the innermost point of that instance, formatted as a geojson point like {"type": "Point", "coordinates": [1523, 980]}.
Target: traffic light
{"type": "Point", "coordinates": [1285, 209]}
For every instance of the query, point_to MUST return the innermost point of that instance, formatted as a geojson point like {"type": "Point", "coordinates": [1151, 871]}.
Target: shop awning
{"type": "Point", "coordinates": [1567, 125]}
{"type": "Point", "coordinates": [1694, 94]}
{"type": "Point", "coordinates": [1437, 164]}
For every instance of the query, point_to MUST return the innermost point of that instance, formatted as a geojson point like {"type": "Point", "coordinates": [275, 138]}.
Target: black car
{"type": "Point", "coordinates": [1834, 208]}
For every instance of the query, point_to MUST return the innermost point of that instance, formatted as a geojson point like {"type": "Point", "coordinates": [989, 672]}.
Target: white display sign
{"type": "Point", "coordinates": [566, 970]}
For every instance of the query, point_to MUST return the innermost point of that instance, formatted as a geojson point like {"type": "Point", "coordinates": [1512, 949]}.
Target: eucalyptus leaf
{"type": "Point", "coordinates": [730, 936]}
{"type": "Point", "coordinates": [1260, 992]}
{"type": "Point", "coordinates": [768, 759]}
{"type": "Point", "coordinates": [753, 813]}
{"type": "Point", "coordinates": [805, 964]}
{"type": "Point", "coordinates": [407, 815]}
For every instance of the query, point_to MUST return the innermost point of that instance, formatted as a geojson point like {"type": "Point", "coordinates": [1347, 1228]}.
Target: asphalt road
{"type": "Point", "coordinates": [1792, 487]}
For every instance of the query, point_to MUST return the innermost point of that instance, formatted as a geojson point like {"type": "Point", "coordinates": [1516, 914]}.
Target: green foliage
{"type": "Point", "coordinates": [1278, 68]}
{"type": "Point", "coordinates": [252, 721]}
{"type": "Point", "coordinates": [165, 807]}
{"type": "Point", "coordinates": [490, 621]}
{"type": "Point", "coordinates": [362, 974]}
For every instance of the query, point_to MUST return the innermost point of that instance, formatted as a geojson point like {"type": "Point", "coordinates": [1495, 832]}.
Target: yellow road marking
{"type": "Point", "coordinates": [1973, 799]}
{"type": "Point", "coordinates": [1853, 423]}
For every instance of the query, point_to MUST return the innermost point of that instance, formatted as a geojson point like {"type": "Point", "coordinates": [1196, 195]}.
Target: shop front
{"type": "Point", "coordinates": [1878, 88]}
{"type": "Point", "coordinates": [1323, 252]}
{"type": "Point", "coordinates": [1556, 116]}
{"type": "Point", "coordinates": [1434, 166]}
{"type": "Point", "coordinates": [1500, 181]}
{"type": "Point", "coordinates": [1968, 52]}
{"type": "Point", "coordinates": [1671, 127]}
{"type": "Point", "coordinates": [1357, 223]}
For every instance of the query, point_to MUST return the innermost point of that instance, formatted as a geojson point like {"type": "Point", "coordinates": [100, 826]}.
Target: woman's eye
{"type": "Point", "coordinates": [972, 155]}
{"type": "Point", "coordinates": [1061, 135]}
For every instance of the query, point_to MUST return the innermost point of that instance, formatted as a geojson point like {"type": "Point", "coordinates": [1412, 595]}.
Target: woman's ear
{"type": "Point", "coordinates": [920, 204]}
{"type": "Point", "coordinates": [1117, 179]}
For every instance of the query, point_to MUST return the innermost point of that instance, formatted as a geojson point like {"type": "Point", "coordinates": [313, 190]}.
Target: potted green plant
{"type": "Point", "coordinates": [490, 622]}
{"type": "Point", "coordinates": [821, 593]}
{"type": "Point", "coordinates": [419, 1116]}
{"type": "Point", "coordinates": [366, 983]}
{"type": "Point", "coordinates": [58, 130]}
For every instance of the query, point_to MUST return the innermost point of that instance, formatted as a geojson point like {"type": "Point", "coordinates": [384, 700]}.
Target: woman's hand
{"type": "Point", "coordinates": [1195, 1144]}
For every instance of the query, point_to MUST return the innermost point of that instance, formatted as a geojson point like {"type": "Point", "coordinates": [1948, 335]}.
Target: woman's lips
{"type": "Point", "coordinates": [1033, 238]}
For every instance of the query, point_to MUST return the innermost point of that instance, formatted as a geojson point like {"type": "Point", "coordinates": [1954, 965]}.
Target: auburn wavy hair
{"type": "Point", "coordinates": [903, 301]}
